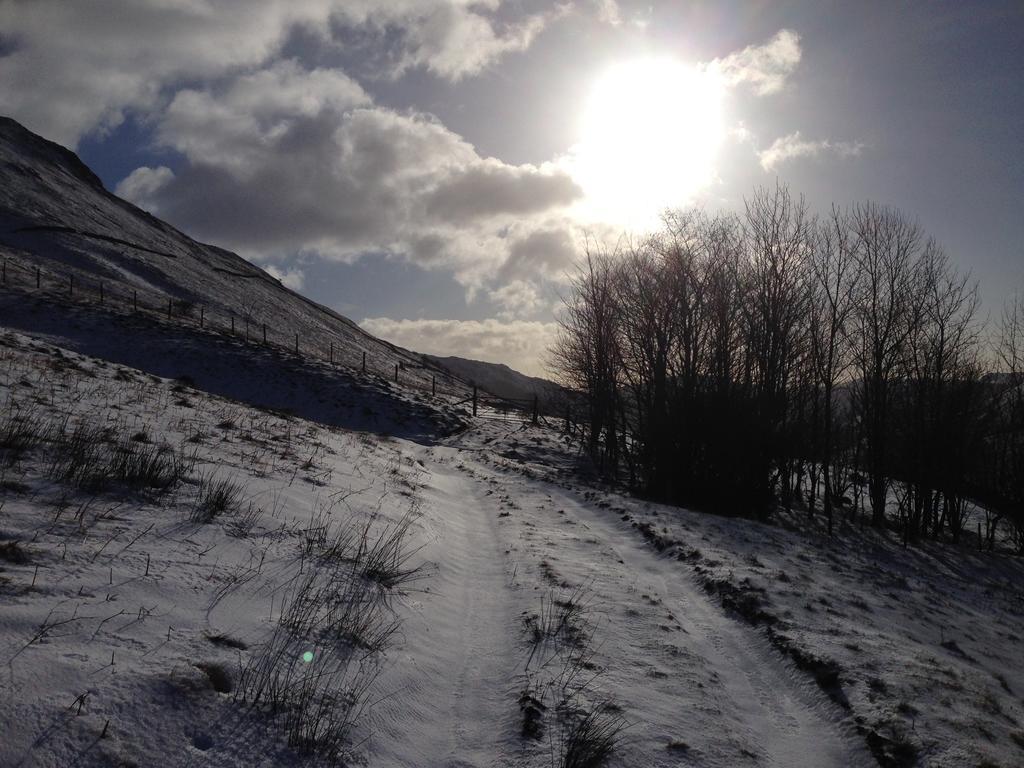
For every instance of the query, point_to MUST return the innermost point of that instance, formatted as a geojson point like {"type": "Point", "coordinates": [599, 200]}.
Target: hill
{"type": "Point", "coordinates": [104, 277]}
{"type": "Point", "coordinates": [500, 380]}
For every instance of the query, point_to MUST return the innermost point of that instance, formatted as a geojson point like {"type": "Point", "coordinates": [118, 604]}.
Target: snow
{"type": "Point", "coordinates": [129, 592]}
{"type": "Point", "coordinates": [523, 598]}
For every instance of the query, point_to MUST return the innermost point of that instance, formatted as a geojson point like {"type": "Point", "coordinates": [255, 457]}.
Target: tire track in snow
{"type": "Point", "coordinates": [711, 683]}
{"type": "Point", "coordinates": [453, 677]}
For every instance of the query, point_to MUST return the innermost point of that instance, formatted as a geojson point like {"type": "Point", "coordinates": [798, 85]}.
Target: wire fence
{"type": "Point", "coordinates": [68, 286]}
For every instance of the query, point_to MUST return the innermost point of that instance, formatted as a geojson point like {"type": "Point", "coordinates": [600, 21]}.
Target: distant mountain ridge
{"type": "Point", "coordinates": [500, 380]}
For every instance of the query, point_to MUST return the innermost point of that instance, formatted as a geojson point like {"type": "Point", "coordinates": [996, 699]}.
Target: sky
{"type": "Point", "coordinates": [433, 169]}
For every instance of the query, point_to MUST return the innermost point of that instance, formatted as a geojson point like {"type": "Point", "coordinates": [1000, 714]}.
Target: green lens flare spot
{"type": "Point", "coordinates": [307, 657]}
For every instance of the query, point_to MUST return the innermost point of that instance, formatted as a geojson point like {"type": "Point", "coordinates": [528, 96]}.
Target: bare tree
{"type": "Point", "coordinates": [831, 304]}
{"type": "Point", "coordinates": [778, 232]}
{"type": "Point", "coordinates": [586, 352]}
{"type": "Point", "coordinates": [887, 243]}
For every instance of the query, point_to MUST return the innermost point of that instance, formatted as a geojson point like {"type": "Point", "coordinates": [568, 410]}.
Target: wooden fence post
{"type": "Point", "coordinates": [433, 385]}
{"type": "Point", "coordinates": [364, 362]}
{"type": "Point", "coordinates": [170, 307]}
{"type": "Point", "coordinates": [202, 316]}
{"type": "Point", "coordinates": [37, 277]}
{"type": "Point", "coordinates": [264, 333]}
{"type": "Point", "coordinates": [232, 325]}
{"type": "Point", "coordinates": [332, 353]}
{"type": "Point", "coordinates": [296, 343]}
{"type": "Point", "coordinates": [396, 373]}
{"type": "Point", "coordinates": [474, 399]}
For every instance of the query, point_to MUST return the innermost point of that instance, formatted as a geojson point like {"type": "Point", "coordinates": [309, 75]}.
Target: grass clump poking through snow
{"type": "Point", "coordinates": [590, 739]}
{"type": "Point", "coordinates": [216, 496]}
{"type": "Point", "coordinates": [560, 689]}
{"type": "Point", "coordinates": [383, 556]}
{"type": "Point", "coordinates": [90, 458]}
{"type": "Point", "coordinates": [20, 432]}
{"type": "Point", "coordinates": [315, 672]}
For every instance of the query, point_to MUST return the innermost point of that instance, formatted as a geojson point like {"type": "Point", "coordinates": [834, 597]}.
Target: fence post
{"type": "Point", "coordinates": [535, 413]}
{"type": "Point", "coordinates": [296, 343]}
{"type": "Point", "coordinates": [170, 307]}
{"type": "Point", "coordinates": [135, 301]}
{"type": "Point", "coordinates": [232, 325]}
{"type": "Point", "coordinates": [37, 277]}
{"type": "Point", "coordinates": [474, 399]}
{"type": "Point", "coordinates": [433, 385]}
{"type": "Point", "coordinates": [364, 362]}
{"type": "Point", "coordinates": [332, 353]}
{"type": "Point", "coordinates": [396, 373]}
{"type": "Point", "coordinates": [202, 316]}
{"type": "Point", "coordinates": [264, 333]}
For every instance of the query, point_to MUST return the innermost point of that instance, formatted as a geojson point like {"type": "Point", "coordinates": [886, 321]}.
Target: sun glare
{"type": "Point", "coordinates": [650, 135]}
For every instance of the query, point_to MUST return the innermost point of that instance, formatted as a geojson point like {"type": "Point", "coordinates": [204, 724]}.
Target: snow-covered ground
{"type": "Point", "coordinates": [470, 599]}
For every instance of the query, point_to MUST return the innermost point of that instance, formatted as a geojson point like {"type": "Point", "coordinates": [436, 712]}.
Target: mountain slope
{"type": "Point", "coordinates": [107, 257]}
{"type": "Point", "coordinates": [499, 379]}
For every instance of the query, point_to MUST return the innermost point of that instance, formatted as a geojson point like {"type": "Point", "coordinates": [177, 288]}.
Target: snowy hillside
{"type": "Point", "coordinates": [94, 249]}
{"type": "Point", "coordinates": [191, 581]}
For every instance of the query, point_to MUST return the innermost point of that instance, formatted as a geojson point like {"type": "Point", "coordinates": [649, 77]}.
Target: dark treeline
{"type": "Point", "coordinates": [736, 363]}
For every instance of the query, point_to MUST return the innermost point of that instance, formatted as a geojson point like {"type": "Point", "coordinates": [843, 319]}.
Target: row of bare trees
{"type": "Point", "coordinates": [741, 362]}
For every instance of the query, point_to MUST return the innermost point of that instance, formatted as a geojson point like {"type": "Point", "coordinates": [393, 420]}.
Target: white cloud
{"type": "Point", "coordinates": [293, 278]}
{"type": "Point", "coordinates": [78, 67]}
{"type": "Point", "coordinates": [521, 345]}
{"type": "Point", "coordinates": [145, 183]}
{"type": "Point", "coordinates": [454, 41]}
{"type": "Point", "coordinates": [764, 67]}
{"type": "Point", "coordinates": [518, 298]}
{"type": "Point", "coordinates": [283, 161]}
{"type": "Point", "coordinates": [793, 146]}
{"type": "Point", "coordinates": [608, 11]}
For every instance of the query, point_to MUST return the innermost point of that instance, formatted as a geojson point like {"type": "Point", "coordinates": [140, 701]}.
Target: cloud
{"type": "Point", "coordinates": [234, 125]}
{"type": "Point", "coordinates": [145, 184]}
{"type": "Point", "coordinates": [547, 252]}
{"type": "Point", "coordinates": [490, 188]}
{"type": "Point", "coordinates": [454, 40]}
{"type": "Point", "coordinates": [78, 67]}
{"type": "Point", "coordinates": [285, 160]}
{"type": "Point", "coordinates": [764, 67]}
{"type": "Point", "coordinates": [518, 298]}
{"type": "Point", "coordinates": [293, 278]}
{"type": "Point", "coordinates": [608, 12]}
{"type": "Point", "coordinates": [519, 344]}
{"type": "Point", "coordinates": [793, 146]}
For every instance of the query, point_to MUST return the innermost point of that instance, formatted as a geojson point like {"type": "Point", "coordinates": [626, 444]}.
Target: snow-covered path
{"type": "Point", "coordinates": [696, 686]}
{"type": "Point", "coordinates": [454, 681]}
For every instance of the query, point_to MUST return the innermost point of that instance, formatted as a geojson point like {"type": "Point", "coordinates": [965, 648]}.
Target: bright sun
{"type": "Point", "coordinates": [650, 135]}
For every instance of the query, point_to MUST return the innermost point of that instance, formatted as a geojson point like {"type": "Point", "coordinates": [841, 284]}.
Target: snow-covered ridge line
{"type": "Point", "coordinates": [49, 200]}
